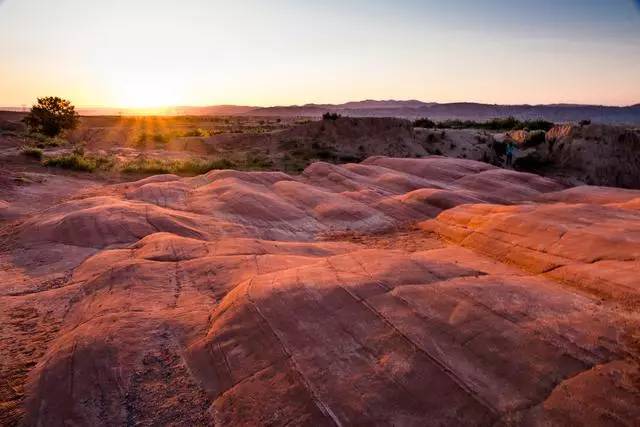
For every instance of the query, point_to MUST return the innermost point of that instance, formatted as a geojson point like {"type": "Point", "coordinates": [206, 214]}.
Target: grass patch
{"type": "Point", "coordinates": [178, 167]}
{"type": "Point", "coordinates": [155, 140]}
{"type": "Point", "coordinates": [43, 141]}
{"type": "Point", "coordinates": [79, 162]}
{"type": "Point", "coordinates": [256, 161]}
{"type": "Point", "coordinates": [199, 132]}
{"type": "Point", "coordinates": [293, 165]}
{"type": "Point", "coordinates": [288, 144]}
{"type": "Point", "coordinates": [33, 152]}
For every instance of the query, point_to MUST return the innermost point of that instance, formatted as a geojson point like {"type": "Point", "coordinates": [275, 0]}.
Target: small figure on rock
{"type": "Point", "coordinates": [509, 151]}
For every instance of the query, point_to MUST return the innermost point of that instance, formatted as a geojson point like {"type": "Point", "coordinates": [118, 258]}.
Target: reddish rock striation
{"type": "Point", "coordinates": [262, 298]}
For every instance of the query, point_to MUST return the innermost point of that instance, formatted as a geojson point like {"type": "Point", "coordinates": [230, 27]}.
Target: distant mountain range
{"type": "Point", "coordinates": [410, 109]}
{"type": "Point", "coordinates": [462, 110]}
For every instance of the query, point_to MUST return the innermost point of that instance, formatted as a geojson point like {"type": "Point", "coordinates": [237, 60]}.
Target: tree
{"type": "Point", "coordinates": [51, 115]}
{"type": "Point", "coordinates": [331, 116]}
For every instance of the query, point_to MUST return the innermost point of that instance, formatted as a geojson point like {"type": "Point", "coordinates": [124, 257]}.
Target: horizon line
{"type": "Point", "coordinates": [310, 104]}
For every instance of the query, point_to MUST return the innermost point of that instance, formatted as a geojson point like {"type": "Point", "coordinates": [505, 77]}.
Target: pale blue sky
{"type": "Point", "coordinates": [198, 52]}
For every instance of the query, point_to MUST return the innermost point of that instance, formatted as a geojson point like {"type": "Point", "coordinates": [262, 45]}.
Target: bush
{"type": "Point", "coordinates": [537, 125]}
{"type": "Point", "coordinates": [156, 139]}
{"type": "Point", "coordinates": [292, 164]}
{"type": "Point", "coordinates": [331, 116]}
{"type": "Point", "coordinates": [78, 150]}
{"type": "Point", "coordinates": [203, 133]}
{"type": "Point", "coordinates": [288, 144]}
{"type": "Point", "coordinates": [498, 124]}
{"type": "Point", "coordinates": [34, 152]}
{"type": "Point", "coordinates": [424, 123]}
{"type": "Point", "coordinates": [185, 167]}
{"type": "Point", "coordinates": [325, 154]}
{"type": "Point", "coordinates": [146, 166]}
{"type": "Point", "coordinates": [585, 122]}
{"type": "Point", "coordinates": [350, 158]}
{"type": "Point", "coordinates": [44, 141]}
{"type": "Point", "coordinates": [78, 162]}
{"type": "Point", "coordinates": [535, 138]}
{"type": "Point", "coordinates": [256, 161]}
{"type": "Point", "coordinates": [51, 115]}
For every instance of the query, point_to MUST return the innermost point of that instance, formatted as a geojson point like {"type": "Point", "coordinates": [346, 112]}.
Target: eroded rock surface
{"type": "Point", "coordinates": [263, 298]}
{"type": "Point", "coordinates": [592, 154]}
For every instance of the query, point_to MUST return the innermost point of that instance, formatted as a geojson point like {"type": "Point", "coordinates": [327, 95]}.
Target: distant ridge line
{"type": "Point", "coordinates": [409, 109]}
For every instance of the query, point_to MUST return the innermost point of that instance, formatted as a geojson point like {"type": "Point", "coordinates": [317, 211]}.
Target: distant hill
{"type": "Point", "coordinates": [213, 110]}
{"type": "Point", "coordinates": [462, 110]}
{"type": "Point", "coordinates": [408, 109]}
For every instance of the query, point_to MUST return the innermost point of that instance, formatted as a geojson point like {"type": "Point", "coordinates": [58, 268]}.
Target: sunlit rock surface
{"type": "Point", "coordinates": [394, 292]}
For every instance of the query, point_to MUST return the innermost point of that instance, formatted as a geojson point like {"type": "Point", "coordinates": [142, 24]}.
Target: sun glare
{"type": "Point", "coordinates": [147, 94]}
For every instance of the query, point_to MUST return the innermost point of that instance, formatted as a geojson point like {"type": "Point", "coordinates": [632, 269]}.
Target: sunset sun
{"type": "Point", "coordinates": [147, 92]}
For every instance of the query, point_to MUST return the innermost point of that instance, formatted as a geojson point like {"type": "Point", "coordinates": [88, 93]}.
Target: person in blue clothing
{"type": "Point", "coordinates": [510, 150]}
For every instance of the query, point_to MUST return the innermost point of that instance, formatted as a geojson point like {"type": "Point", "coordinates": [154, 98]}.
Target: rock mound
{"type": "Point", "coordinates": [591, 154]}
{"type": "Point", "coordinates": [263, 298]}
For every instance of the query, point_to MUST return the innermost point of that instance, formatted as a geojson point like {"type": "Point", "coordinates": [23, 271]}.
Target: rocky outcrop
{"type": "Point", "coordinates": [590, 154]}
{"type": "Point", "coordinates": [263, 298]}
{"type": "Point", "coordinates": [462, 144]}
{"type": "Point", "coordinates": [601, 155]}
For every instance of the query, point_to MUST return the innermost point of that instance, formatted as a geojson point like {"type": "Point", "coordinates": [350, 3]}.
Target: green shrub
{"type": "Point", "coordinates": [288, 144]}
{"type": "Point", "coordinates": [78, 150]}
{"type": "Point", "coordinates": [44, 141]}
{"type": "Point", "coordinates": [292, 164]}
{"type": "Point", "coordinates": [535, 138]}
{"type": "Point", "coordinates": [78, 162]}
{"type": "Point", "coordinates": [424, 123]}
{"type": "Point", "coordinates": [537, 125]}
{"type": "Point", "coordinates": [325, 154]}
{"type": "Point", "coordinates": [331, 116]}
{"type": "Point", "coordinates": [51, 115]}
{"type": "Point", "coordinates": [184, 167]}
{"type": "Point", "coordinates": [256, 161]}
{"type": "Point", "coordinates": [196, 167]}
{"type": "Point", "coordinates": [498, 124]}
{"type": "Point", "coordinates": [156, 139]}
{"type": "Point", "coordinates": [34, 152]}
{"type": "Point", "coordinates": [350, 158]}
{"type": "Point", "coordinates": [199, 132]}
{"type": "Point", "coordinates": [146, 166]}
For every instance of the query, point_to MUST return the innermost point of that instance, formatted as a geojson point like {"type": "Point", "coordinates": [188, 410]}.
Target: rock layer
{"type": "Point", "coordinates": [262, 298]}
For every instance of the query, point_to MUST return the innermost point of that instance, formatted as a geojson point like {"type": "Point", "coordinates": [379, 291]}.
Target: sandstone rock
{"type": "Point", "coordinates": [238, 298]}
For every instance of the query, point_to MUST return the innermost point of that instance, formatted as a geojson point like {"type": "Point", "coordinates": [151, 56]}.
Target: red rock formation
{"type": "Point", "coordinates": [239, 298]}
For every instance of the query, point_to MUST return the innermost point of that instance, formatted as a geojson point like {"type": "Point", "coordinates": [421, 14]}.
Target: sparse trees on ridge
{"type": "Point", "coordinates": [331, 116]}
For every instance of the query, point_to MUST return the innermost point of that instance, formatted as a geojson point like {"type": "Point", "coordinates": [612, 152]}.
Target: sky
{"type": "Point", "coordinates": [151, 53]}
